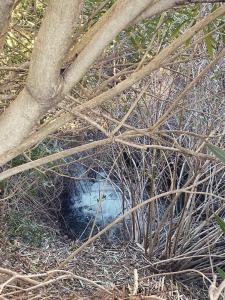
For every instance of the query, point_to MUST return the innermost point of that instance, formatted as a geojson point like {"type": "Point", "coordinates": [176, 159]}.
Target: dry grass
{"type": "Point", "coordinates": [102, 271]}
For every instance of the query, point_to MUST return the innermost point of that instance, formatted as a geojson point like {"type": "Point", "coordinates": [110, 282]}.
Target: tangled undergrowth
{"type": "Point", "coordinates": [150, 140]}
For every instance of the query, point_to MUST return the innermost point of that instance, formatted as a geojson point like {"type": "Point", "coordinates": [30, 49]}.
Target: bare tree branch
{"type": "Point", "coordinates": [108, 95]}
{"type": "Point", "coordinates": [53, 157]}
{"type": "Point", "coordinates": [44, 85]}
{"type": "Point", "coordinates": [121, 14]}
{"type": "Point", "coordinates": [5, 10]}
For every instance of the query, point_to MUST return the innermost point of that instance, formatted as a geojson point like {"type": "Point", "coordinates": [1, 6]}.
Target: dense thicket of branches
{"type": "Point", "coordinates": [145, 78]}
{"type": "Point", "coordinates": [46, 86]}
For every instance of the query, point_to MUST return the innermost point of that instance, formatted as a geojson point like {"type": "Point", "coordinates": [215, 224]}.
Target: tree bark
{"type": "Point", "coordinates": [5, 10]}
{"type": "Point", "coordinates": [45, 87]}
{"type": "Point", "coordinates": [44, 84]}
{"type": "Point", "coordinates": [108, 95]}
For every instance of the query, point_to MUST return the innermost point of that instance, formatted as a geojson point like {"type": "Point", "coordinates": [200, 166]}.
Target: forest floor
{"type": "Point", "coordinates": [104, 270]}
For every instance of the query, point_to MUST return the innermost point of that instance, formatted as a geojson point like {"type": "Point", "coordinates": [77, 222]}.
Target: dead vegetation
{"type": "Point", "coordinates": [101, 271]}
{"type": "Point", "coordinates": [149, 136]}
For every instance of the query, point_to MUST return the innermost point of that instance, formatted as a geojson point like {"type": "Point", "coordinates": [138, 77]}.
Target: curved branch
{"type": "Point", "coordinates": [44, 85]}
{"type": "Point", "coordinates": [108, 95]}
{"type": "Point", "coordinates": [121, 14]}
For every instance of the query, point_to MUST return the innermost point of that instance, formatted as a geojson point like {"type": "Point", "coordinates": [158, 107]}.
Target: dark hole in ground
{"type": "Point", "coordinates": [89, 204]}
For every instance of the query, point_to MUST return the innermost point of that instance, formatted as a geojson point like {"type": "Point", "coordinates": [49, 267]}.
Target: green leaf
{"type": "Point", "coordinates": [220, 222]}
{"type": "Point", "coordinates": [219, 153]}
{"type": "Point", "coordinates": [214, 7]}
{"type": "Point", "coordinates": [175, 32]}
{"type": "Point", "coordinates": [221, 272]}
{"type": "Point", "coordinates": [210, 44]}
